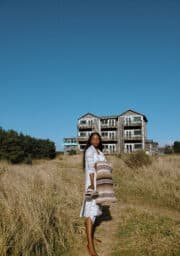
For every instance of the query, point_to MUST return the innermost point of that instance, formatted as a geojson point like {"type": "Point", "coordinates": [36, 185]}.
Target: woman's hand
{"type": "Point", "coordinates": [95, 165]}
{"type": "Point", "coordinates": [91, 180]}
{"type": "Point", "coordinates": [91, 186]}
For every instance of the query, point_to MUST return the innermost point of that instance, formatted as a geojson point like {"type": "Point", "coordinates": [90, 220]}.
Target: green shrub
{"type": "Point", "coordinates": [168, 149]}
{"type": "Point", "coordinates": [72, 152]}
{"type": "Point", "coordinates": [137, 159]}
{"type": "Point", "coordinates": [176, 147]}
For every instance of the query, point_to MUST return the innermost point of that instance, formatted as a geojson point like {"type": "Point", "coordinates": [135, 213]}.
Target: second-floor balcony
{"type": "Point", "coordinates": [85, 126]}
{"type": "Point", "coordinates": [133, 137]}
{"type": "Point", "coordinates": [109, 138]}
{"type": "Point", "coordinates": [104, 138]}
{"type": "Point", "coordinates": [82, 138]}
{"type": "Point", "coordinates": [133, 123]}
{"type": "Point", "coordinates": [108, 125]}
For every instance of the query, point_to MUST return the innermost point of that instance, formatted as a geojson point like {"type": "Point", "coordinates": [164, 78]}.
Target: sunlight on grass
{"type": "Point", "coordinates": [40, 205]}
{"type": "Point", "coordinates": [144, 233]}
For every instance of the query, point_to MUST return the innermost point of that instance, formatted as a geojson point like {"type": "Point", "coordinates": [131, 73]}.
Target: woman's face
{"type": "Point", "coordinates": [95, 140]}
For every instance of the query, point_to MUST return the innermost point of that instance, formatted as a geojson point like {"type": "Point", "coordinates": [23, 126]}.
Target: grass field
{"type": "Point", "coordinates": [40, 206]}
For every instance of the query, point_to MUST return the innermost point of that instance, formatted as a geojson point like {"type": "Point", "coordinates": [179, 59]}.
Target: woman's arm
{"type": "Point", "coordinates": [92, 180]}
{"type": "Point", "coordinates": [90, 168]}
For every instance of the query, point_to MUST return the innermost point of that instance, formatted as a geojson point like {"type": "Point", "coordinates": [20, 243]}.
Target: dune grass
{"type": "Point", "coordinates": [143, 233]}
{"type": "Point", "coordinates": [153, 192]}
{"type": "Point", "coordinates": [156, 184]}
{"type": "Point", "coordinates": [36, 210]}
{"type": "Point", "coordinates": [40, 205]}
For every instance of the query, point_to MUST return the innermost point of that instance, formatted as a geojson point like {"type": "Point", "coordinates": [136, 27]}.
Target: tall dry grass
{"type": "Point", "coordinates": [38, 209]}
{"type": "Point", "coordinates": [40, 206]}
{"type": "Point", "coordinates": [158, 183]}
{"type": "Point", "coordinates": [150, 224]}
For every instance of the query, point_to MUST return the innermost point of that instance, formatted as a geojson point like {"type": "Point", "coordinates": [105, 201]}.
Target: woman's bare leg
{"type": "Point", "coordinates": [95, 238]}
{"type": "Point", "coordinates": [89, 233]}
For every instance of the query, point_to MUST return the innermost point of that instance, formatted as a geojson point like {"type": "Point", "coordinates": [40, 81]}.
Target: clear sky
{"type": "Point", "coordinates": [62, 59]}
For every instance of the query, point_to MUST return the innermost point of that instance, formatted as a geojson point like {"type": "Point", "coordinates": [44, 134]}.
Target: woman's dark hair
{"type": "Point", "coordinates": [100, 146]}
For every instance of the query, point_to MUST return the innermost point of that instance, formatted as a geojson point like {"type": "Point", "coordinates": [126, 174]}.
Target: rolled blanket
{"type": "Point", "coordinates": [104, 183]}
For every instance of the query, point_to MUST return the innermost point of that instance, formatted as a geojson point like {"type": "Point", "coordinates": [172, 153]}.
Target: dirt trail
{"type": "Point", "coordinates": [107, 229]}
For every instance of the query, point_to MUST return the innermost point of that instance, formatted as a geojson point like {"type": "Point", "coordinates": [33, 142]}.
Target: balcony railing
{"type": "Point", "coordinates": [138, 123]}
{"type": "Point", "coordinates": [70, 143]}
{"type": "Point", "coordinates": [108, 138]}
{"type": "Point", "coordinates": [108, 125]}
{"type": "Point", "coordinates": [82, 138]}
{"type": "Point", "coordinates": [138, 137]}
{"type": "Point", "coordinates": [85, 125]}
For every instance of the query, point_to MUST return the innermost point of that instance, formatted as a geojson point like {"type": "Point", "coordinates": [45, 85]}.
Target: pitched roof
{"type": "Point", "coordinates": [145, 118]}
{"type": "Point", "coordinates": [115, 116]}
{"type": "Point", "coordinates": [88, 113]}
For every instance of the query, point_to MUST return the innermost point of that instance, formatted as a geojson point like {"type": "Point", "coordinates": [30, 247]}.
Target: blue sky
{"type": "Point", "coordinates": [61, 59]}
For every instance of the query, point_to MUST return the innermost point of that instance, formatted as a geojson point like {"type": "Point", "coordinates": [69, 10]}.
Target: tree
{"type": "Point", "coordinates": [168, 149]}
{"type": "Point", "coordinates": [176, 147]}
{"type": "Point", "coordinates": [17, 148]}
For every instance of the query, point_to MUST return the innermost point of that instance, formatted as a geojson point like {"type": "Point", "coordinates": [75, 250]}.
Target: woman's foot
{"type": "Point", "coordinates": [90, 252]}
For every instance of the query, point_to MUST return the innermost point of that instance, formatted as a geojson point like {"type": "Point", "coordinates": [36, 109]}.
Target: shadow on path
{"type": "Point", "coordinates": [105, 216]}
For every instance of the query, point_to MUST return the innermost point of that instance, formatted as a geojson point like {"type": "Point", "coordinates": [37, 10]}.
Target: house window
{"type": "Point", "coordinates": [138, 146]}
{"type": "Point", "coordinates": [82, 134]}
{"type": "Point", "coordinates": [128, 120]}
{"type": "Point", "coordinates": [112, 135]}
{"type": "Point", "coordinates": [129, 148]}
{"type": "Point", "coordinates": [105, 146]}
{"type": "Point", "coordinates": [83, 122]}
{"type": "Point", "coordinates": [137, 132]}
{"type": "Point", "coordinates": [82, 146]}
{"type": "Point", "coordinates": [128, 134]}
{"type": "Point", "coordinates": [137, 118]}
{"type": "Point", "coordinates": [104, 121]}
{"type": "Point", "coordinates": [105, 134]}
{"type": "Point", "coordinates": [112, 122]}
{"type": "Point", "coordinates": [90, 122]}
{"type": "Point", "coordinates": [113, 148]}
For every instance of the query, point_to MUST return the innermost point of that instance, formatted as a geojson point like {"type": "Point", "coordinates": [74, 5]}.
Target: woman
{"type": "Point", "coordinates": [89, 209]}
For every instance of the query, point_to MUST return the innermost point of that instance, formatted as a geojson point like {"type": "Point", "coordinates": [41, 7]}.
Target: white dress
{"type": "Point", "coordinates": [89, 207]}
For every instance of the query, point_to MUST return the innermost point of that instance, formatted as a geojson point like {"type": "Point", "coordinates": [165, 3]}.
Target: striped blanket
{"type": "Point", "coordinates": [104, 183]}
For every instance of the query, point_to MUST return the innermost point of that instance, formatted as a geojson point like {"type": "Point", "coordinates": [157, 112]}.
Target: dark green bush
{"type": "Point", "coordinates": [176, 147]}
{"type": "Point", "coordinates": [137, 159]}
{"type": "Point", "coordinates": [168, 149]}
{"type": "Point", "coordinates": [72, 152]}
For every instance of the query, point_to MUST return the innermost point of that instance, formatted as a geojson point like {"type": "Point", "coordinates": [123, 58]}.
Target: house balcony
{"type": "Point", "coordinates": [107, 126]}
{"type": "Point", "coordinates": [85, 126]}
{"type": "Point", "coordinates": [132, 124]}
{"type": "Point", "coordinates": [133, 138]}
{"type": "Point", "coordinates": [106, 138]}
{"type": "Point", "coordinates": [70, 144]}
{"type": "Point", "coordinates": [82, 138]}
